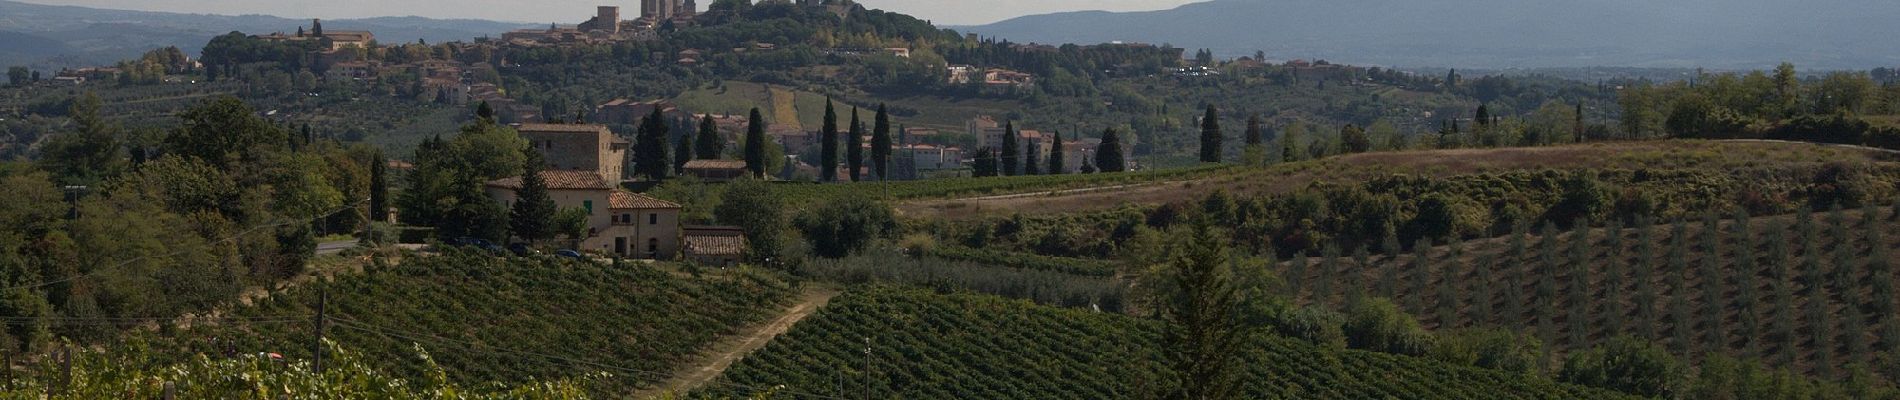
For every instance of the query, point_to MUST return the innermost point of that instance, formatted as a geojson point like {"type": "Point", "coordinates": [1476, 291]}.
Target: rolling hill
{"type": "Point", "coordinates": [1497, 33]}
{"type": "Point", "coordinates": [67, 36]}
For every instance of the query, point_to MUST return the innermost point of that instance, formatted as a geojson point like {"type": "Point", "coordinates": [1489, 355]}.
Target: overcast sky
{"type": "Point", "coordinates": [942, 12]}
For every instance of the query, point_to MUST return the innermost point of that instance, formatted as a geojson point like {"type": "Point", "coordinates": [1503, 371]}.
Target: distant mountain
{"type": "Point", "coordinates": [1501, 33]}
{"type": "Point", "coordinates": [82, 36]}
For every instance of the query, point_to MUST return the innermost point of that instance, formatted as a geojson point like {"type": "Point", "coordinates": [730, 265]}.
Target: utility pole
{"type": "Point", "coordinates": [867, 368]}
{"type": "Point", "coordinates": [316, 347]}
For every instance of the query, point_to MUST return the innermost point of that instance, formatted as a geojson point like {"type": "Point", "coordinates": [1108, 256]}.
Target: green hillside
{"type": "Point", "coordinates": [926, 345]}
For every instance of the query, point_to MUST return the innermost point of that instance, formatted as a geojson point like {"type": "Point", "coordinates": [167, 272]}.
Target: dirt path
{"type": "Point", "coordinates": [721, 355]}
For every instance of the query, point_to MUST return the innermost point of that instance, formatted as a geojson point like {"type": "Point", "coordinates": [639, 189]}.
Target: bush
{"type": "Point", "coordinates": [1320, 326]}
{"type": "Point", "coordinates": [1376, 324]}
{"type": "Point", "coordinates": [1497, 349]}
{"type": "Point", "coordinates": [1624, 364]}
{"type": "Point", "coordinates": [845, 226]}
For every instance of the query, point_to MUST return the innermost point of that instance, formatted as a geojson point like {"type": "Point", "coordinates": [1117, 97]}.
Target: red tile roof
{"type": "Point", "coordinates": [559, 180]}
{"type": "Point", "coordinates": [715, 164]}
{"type": "Point", "coordinates": [562, 128]}
{"type": "Point", "coordinates": [624, 200]}
{"type": "Point", "coordinates": [715, 245]}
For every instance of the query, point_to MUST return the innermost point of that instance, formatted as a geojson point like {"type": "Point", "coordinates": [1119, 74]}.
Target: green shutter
{"type": "Point", "coordinates": [590, 206]}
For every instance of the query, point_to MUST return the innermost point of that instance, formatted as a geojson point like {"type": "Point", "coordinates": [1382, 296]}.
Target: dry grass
{"type": "Point", "coordinates": [1283, 178]}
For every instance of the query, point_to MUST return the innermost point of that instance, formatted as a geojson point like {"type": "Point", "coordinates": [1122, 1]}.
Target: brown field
{"type": "Point", "coordinates": [1814, 314]}
{"type": "Point", "coordinates": [1282, 178]}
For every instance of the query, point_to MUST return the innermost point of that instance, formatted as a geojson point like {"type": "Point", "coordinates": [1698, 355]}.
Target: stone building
{"type": "Point", "coordinates": [579, 148]}
{"type": "Point", "coordinates": [619, 222]}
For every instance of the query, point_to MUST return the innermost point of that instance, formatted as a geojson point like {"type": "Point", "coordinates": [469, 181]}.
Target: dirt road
{"type": "Point", "coordinates": [721, 355]}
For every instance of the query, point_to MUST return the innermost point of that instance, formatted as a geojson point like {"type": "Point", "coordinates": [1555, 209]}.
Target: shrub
{"type": "Point", "coordinates": [845, 226]}
{"type": "Point", "coordinates": [1376, 324]}
{"type": "Point", "coordinates": [1495, 348]}
{"type": "Point", "coordinates": [1624, 364]}
{"type": "Point", "coordinates": [1320, 326]}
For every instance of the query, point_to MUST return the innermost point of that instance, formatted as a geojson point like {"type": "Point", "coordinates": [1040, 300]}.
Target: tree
{"type": "Point", "coordinates": [1032, 159]}
{"type": "Point", "coordinates": [1376, 324]}
{"type": "Point", "coordinates": [379, 188]}
{"type": "Point", "coordinates": [1108, 155]}
{"type": "Point", "coordinates": [18, 76]}
{"type": "Point", "coordinates": [846, 226]}
{"type": "Point", "coordinates": [709, 146]}
{"type": "Point", "coordinates": [854, 148]}
{"type": "Point", "coordinates": [1056, 163]}
{"type": "Point", "coordinates": [1291, 148]}
{"type": "Point", "coordinates": [532, 214]}
{"type": "Point", "coordinates": [91, 154]}
{"type": "Point", "coordinates": [682, 153]}
{"type": "Point", "coordinates": [984, 165]}
{"type": "Point", "coordinates": [1482, 119]}
{"type": "Point", "coordinates": [881, 145]}
{"type": "Point", "coordinates": [751, 205]}
{"type": "Point", "coordinates": [1354, 140]}
{"type": "Point", "coordinates": [1211, 136]}
{"type": "Point", "coordinates": [1255, 152]}
{"type": "Point", "coordinates": [828, 154]}
{"type": "Point", "coordinates": [755, 144]}
{"type": "Point", "coordinates": [1624, 364]}
{"type": "Point", "coordinates": [1201, 305]}
{"type": "Point", "coordinates": [485, 111]}
{"type": "Point", "coordinates": [649, 153]}
{"type": "Point", "coordinates": [1787, 91]}
{"type": "Point", "coordinates": [1011, 158]}
{"type": "Point", "coordinates": [224, 131]}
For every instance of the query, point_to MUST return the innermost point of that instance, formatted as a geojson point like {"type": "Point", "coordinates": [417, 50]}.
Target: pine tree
{"type": "Point", "coordinates": [1296, 274]}
{"type": "Point", "coordinates": [532, 214]}
{"type": "Point", "coordinates": [1056, 163]}
{"type": "Point", "coordinates": [854, 148]}
{"type": "Point", "coordinates": [683, 152]}
{"type": "Point", "coordinates": [1483, 290]}
{"type": "Point", "coordinates": [709, 145]}
{"type": "Point", "coordinates": [1362, 260]}
{"type": "Point", "coordinates": [1108, 155]}
{"type": "Point", "coordinates": [828, 154]}
{"type": "Point", "coordinates": [1211, 136]}
{"type": "Point", "coordinates": [881, 145]}
{"type": "Point", "coordinates": [1447, 305]}
{"type": "Point", "coordinates": [1011, 158]}
{"type": "Point", "coordinates": [755, 161]}
{"type": "Point", "coordinates": [1203, 326]}
{"type": "Point", "coordinates": [649, 153]}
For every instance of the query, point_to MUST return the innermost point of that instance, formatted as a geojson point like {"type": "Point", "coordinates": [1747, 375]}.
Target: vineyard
{"type": "Point", "coordinates": [952, 187]}
{"type": "Point", "coordinates": [925, 345]}
{"type": "Point", "coordinates": [487, 319]}
{"type": "Point", "coordinates": [1807, 292]}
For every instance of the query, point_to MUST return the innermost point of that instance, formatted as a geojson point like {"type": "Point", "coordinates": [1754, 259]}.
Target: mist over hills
{"type": "Point", "coordinates": [51, 37]}
{"type": "Point", "coordinates": [1721, 34]}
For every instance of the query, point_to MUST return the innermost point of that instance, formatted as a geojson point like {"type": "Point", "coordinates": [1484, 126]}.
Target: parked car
{"type": "Point", "coordinates": [522, 250]}
{"type": "Point", "coordinates": [570, 254]}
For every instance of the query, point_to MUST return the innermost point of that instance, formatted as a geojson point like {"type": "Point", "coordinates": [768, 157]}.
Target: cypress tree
{"type": "Point", "coordinates": [854, 148]}
{"type": "Point", "coordinates": [378, 188]}
{"type": "Point", "coordinates": [1032, 159]}
{"type": "Point", "coordinates": [649, 154]}
{"type": "Point", "coordinates": [682, 152]}
{"type": "Point", "coordinates": [985, 163]}
{"type": "Point", "coordinates": [485, 111]}
{"type": "Point", "coordinates": [1255, 134]}
{"type": "Point", "coordinates": [1056, 163]}
{"type": "Point", "coordinates": [755, 144]}
{"type": "Point", "coordinates": [1108, 156]}
{"type": "Point", "coordinates": [1011, 157]}
{"type": "Point", "coordinates": [1643, 274]}
{"type": "Point", "coordinates": [1579, 287]}
{"type": "Point", "coordinates": [531, 216]}
{"type": "Point", "coordinates": [1747, 298]}
{"type": "Point", "coordinates": [828, 154]}
{"type": "Point", "coordinates": [881, 144]}
{"type": "Point", "coordinates": [1211, 136]}
{"type": "Point", "coordinates": [709, 145]}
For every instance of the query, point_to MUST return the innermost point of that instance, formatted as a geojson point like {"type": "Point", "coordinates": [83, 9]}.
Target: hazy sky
{"type": "Point", "coordinates": [942, 12]}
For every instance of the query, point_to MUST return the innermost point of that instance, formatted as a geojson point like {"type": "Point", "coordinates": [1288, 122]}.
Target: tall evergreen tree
{"type": "Point", "coordinates": [379, 187]}
{"type": "Point", "coordinates": [1211, 136]}
{"type": "Point", "coordinates": [985, 163]}
{"type": "Point", "coordinates": [1011, 157]}
{"type": "Point", "coordinates": [1056, 163]}
{"type": "Point", "coordinates": [1255, 133]}
{"type": "Point", "coordinates": [1202, 314]}
{"type": "Point", "coordinates": [532, 214]}
{"type": "Point", "coordinates": [683, 152]}
{"type": "Point", "coordinates": [1108, 156]}
{"type": "Point", "coordinates": [1482, 119]}
{"type": "Point", "coordinates": [649, 153]}
{"type": "Point", "coordinates": [1032, 159]}
{"type": "Point", "coordinates": [709, 145]}
{"type": "Point", "coordinates": [755, 144]}
{"type": "Point", "coordinates": [881, 144]}
{"type": "Point", "coordinates": [854, 148]}
{"type": "Point", "coordinates": [828, 154]}
{"type": "Point", "coordinates": [485, 111]}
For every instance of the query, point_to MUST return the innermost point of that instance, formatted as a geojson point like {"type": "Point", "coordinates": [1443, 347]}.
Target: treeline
{"type": "Point", "coordinates": [103, 226]}
{"type": "Point", "coordinates": [1772, 105]}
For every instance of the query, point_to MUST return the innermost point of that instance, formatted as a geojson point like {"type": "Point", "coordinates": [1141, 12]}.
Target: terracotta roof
{"type": "Point", "coordinates": [715, 245]}
{"type": "Point", "coordinates": [559, 180]}
{"type": "Point", "coordinates": [565, 128]}
{"type": "Point", "coordinates": [624, 200]}
{"type": "Point", "coordinates": [715, 164]}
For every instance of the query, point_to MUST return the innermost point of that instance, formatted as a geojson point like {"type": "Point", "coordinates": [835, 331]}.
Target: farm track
{"type": "Point", "coordinates": [719, 356]}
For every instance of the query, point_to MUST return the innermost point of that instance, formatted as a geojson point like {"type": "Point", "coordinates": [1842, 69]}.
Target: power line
{"type": "Point", "coordinates": [233, 237]}
{"type": "Point", "coordinates": [418, 337]}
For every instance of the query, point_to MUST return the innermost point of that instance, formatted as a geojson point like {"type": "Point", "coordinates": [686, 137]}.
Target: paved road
{"type": "Point", "coordinates": [328, 248]}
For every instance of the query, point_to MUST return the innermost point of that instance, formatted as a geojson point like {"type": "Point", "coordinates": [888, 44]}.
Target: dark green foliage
{"type": "Point", "coordinates": [1211, 136]}
{"type": "Point", "coordinates": [828, 154]}
{"type": "Point", "coordinates": [682, 152]}
{"type": "Point", "coordinates": [1624, 364]}
{"type": "Point", "coordinates": [754, 207]}
{"type": "Point", "coordinates": [881, 144]}
{"type": "Point", "coordinates": [649, 148]}
{"type": "Point", "coordinates": [1056, 162]}
{"type": "Point", "coordinates": [531, 217]}
{"type": "Point", "coordinates": [1584, 200]}
{"type": "Point", "coordinates": [984, 164]}
{"type": "Point", "coordinates": [224, 131]}
{"type": "Point", "coordinates": [1032, 159]}
{"type": "Point", "coordinates": [379, 188]}
{"type": "Point", "coordinates": [709, 145]}
{"type": "Point", "coordinates": [1108, 155]}
{"type": "Point", "coordinates": [1498, 349]}
{"type": "Point", "coordinates": [88, 155]}
{"type": "Point", "coordinates": [845, 226]}
{"type": "Point", "coordinates": [755, 161]}
{"type": "Point", "coordinates": [1353, 139]}
{"type": "Point", "coordinates": [1010, 155]}
{"type": "Point", "coordinates": [1202, 329]}
{"type": "Point", "coordinates": [854, 148]}
{"type": "Point", "coordinates": [1376, 324]}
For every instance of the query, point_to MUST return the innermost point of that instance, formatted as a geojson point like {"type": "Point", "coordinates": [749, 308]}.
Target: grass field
{"type": "Point", "coordinates": [1284, 178]}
